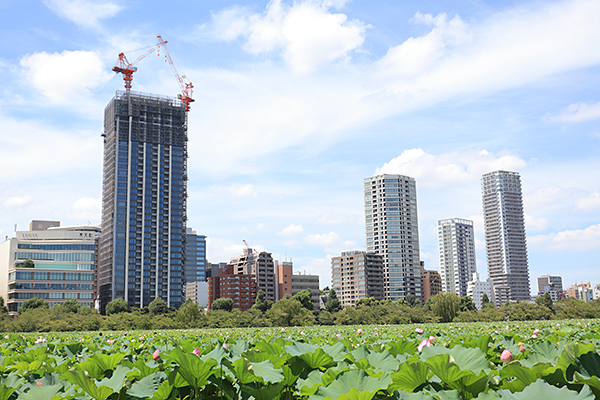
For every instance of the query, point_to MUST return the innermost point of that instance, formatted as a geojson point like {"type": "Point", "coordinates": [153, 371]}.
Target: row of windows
{"type": "Point", "coordinates": [26, 295]}
{"type": "Point", "coordinates": [74, 246]}
{"type": "Point", "coordinates": [50, 276]}
{"type": "Point", "coordinates": [24, 255]}
{"type": "Point", "coordinates": [50, 286]}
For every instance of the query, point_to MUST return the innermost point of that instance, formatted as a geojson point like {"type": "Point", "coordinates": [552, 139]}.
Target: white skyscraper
{"type": "Point", "coordinates": [392, 230]}
{"type": "Point", "coordinates": [505, 241]}
{"type": "Point", "coordinates": [457, 254]}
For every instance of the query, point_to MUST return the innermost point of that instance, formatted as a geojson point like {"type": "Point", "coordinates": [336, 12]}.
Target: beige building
{"type": "Point", "coordinates": [431, 283]}
{"type": "Point", "coordinates": [197, 292]}
{"type": "Point", "coordinates": [49, 262]}
{"type": "Point", "coordinates": [262, 266]}
{"type": "Point", "coordinates": [357, 275]}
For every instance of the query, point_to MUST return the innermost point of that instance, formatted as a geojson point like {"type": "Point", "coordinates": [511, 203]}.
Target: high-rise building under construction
{"type": "Point", "coordinates": [143, 240]}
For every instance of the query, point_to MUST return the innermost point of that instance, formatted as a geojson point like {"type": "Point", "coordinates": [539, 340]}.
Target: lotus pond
{"type": "Point", "coordinates": [514, 360]}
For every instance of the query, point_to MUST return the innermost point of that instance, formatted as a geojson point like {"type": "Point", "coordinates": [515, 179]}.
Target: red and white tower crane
{"type": "Point", "coordinates": [123, 66]}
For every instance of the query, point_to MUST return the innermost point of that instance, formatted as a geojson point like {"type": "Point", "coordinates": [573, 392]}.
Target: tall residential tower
{"type": "Point", "coordinates": [392, 230]}
{"type": "Point", "coordinates": [457, 254]}
{"type": "Point", "coordinates": [505, 242]}
{"type": "Point", "coordinates": [143, 241]}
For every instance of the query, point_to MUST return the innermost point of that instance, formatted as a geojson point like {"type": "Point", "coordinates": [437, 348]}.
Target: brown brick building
{"type": "Point", "coordinates": [241, 288]}
{"type": "Point", "coordinates": [431, 283]}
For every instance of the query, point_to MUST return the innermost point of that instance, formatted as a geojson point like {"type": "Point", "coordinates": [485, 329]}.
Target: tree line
{"type": "Point", "coordinates": [297, 310]}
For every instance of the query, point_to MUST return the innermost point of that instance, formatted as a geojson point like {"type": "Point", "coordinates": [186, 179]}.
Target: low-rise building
{"type": "Point", "coordinates": [302, 282]}
{"type": "Point", "coordinates": [550, 284]}
{"type": "Point", "coordinates": [49, 262]}
{"type": "Point", "coordinates": [262, 266]}
{"type": "Point", "coordinates": [241, 288]}
{"type": "Point", "coordinates": [197, 292]}
{"type": "Point", "coordinates": [431, 283]}
{"type": "Point", "coordinates": [476, 289]}
{"type": "Point", "coordinates": [357, 275]}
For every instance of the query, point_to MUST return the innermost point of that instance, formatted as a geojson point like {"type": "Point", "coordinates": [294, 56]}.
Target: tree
{"type": "Point", "coordinates": [485, 300]}
{"type": "Point", "coordinates": [547, 301]}
{"type": "Point", "coordinates": [32, 304]}
{"type": "Point", "coordinates": [71, 305]}
{"type": "Point", "coordinates": [411, 300]}
{"type": "Point", "coordinates": [367, 302]}
{"type": "Point", "coordinates": [333, 304]}
{"type": "Point", "coordinates": [25, 264]}
{"type": "Point", "coordinates": [157, 307]}
{"type": "Point", "coordinates": [289, 312]}
{"type": "Point", "coordinates": [3, 308]}
{"type": "Point", "coordinates": [305, 298]}
{"type": "Point", "coordinates": [466, 304]}
{"type": "Point", "coordinates": [260, 303]}
{"type": "Point", "coordinates": [445, 306]}
{"type": "Point", "coordinates": [118, 305]}
{"type": "Point", "coordinates": [190, 314]}
{"type": "Point", "coordinates": [224, 303]}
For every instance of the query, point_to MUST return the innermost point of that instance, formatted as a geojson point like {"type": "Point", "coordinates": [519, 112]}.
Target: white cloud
{"type": "Point", "coordinates": [577, 112]}
{"type": "Point", "coordinates": [332, 242]}
{"type": "Point", "coordinates": [83, 13]}
{"type": "Point", "coordinates": [66, 77]}
{"type": "Point", "coordinates": [332, 218]}
{"type": "Point", "coordinates": [590, 202]}
{"type": "Point", "coordinates": [291, 230]}
{"type": "Point", "coordinates": [306, 33]}
{"type": "Point", "coordinates": [415, 55]}
{"type": "Point", "coordinates": [318, 266]}
{"type": "Point", "coordinates": [243, 190]}
{"type": "Point", "coordinates": [17, 201]}
{"type": "Point", "coordinates": [533, 224]}
{"type": "Point", "coordinates": [446, 169]}
{"type": "Point", "coordinates": [577, 239]}
{"type": "Point", "coordinates": [87, 208]}
{"type": "Point", "coordinates": [222, 250]}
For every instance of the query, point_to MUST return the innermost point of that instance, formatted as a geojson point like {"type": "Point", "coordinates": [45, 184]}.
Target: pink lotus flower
{"type": "Point", "coordinates": [359, 331]}
{"type": "Point", "coordinates": [141, 338]}
{"type": "Point", "coordinates": [196, 352]}
{"type": "Point", "coordinates": [534, 336]}
{"type": "Point", "coordinates": [225, 346]}
{"type": "Point", "coordinates": [536, 331]}
{"type": "Point", "coordinates": [506, 356]}
{"type": "Point", "coordinates": [110, 341]}
{"type": "Point", "coordinates": [419, 330]}
{"type": "Point", "coordinates": [376, 334]}
{"type": "Point", "coordinates": [282, 329]}
{"type": "Point", "coordinates": [338, 335]}
{"type": "Point", "coordinates": [424, 343]}
{"type": "Point", "coordinates": [156, 355]}
{"type": "Point", "coordinates": [522, 348]}
{"type": "Point", "coordinates": [432, 339]}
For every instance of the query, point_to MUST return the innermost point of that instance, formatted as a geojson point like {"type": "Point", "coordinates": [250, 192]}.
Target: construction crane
{"type": "Point", "coordinates": [185, 85]}
{"type": "Point", "coordinates": [123, 66]}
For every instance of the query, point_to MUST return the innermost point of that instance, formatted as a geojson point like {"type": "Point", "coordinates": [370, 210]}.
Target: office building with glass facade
{"type": "Point", "coordinates": [143, 242]}
{"type": "Point", "coordinates": [55, 265]}
{"type": "Point", "coordinates": [195, 261]}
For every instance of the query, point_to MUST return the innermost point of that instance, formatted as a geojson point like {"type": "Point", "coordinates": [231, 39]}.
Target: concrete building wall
{"type": "Point", "coordinates": [431, 283]}
{"type": "Point", "coordinates": [285, 271]}
{"type": "Point", "coordinates": [456, 242]}
{"type": "Point", "coordinates": [357, 275]}
{"type": "Point", "coordinates": [262, 266]}
{"type": "Point", "coordinates": [302, 282]}
{"type": "Point", "coordinates": [391, 228]}
{"type": "Point", "coordinates": [506, 245]}
{"type": "Point", "coordinates": [241, 288]}
{"type": "Point", "coordinates": [476, 289]}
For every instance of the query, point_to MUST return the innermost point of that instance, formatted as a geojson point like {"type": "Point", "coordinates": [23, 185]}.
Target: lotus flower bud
{"type": "Point", "coordinates": [506, 356]}
{"type": "Point", "coordinates": [196, 352]}
{"type": "Point", "coordinates": [156, 355]}
{"type": "Point", "coordinates": [522, 348]}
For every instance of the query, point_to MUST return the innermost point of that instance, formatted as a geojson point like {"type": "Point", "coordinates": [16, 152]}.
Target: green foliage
{"type": "Point", "coordinates": [157, 307]}
{"type": "Point", "coordinates": [118, 305]}
{"type": "Point", "coordinates": [466, 304]}
{"type": "Point", "coordinates": [290, 312]}
{"type": "Point", "coordinates": [333, 304]}
{"type": "Point", "coordinates": [191, 315]}
{"type": "Point", "coordinates": [71, 305]}
{"type": "Point", "coordinates": [260, 303]}
{"type": "Point", "coordinates": [305, 298]}
{"type": "Point", "coordinates": [3, 308]}
{"type": "Point", "coordinates": [25, 264]}
{"type": "Point", "coordinates": [32, 304]}
{"type": "Point", "coordinates": [224, 304]}
{"type": "Point", "coordinates": [446, 306]}
{"type": "Point", "coordinates": [485, 300]}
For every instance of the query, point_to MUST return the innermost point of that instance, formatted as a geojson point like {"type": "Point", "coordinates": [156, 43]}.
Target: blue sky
{"type": "Point", "coordinates": [298, 102]}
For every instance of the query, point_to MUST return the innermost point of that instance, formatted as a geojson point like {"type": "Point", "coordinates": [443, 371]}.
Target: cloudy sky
{"type": "Point", "coordinates": [298, 102]}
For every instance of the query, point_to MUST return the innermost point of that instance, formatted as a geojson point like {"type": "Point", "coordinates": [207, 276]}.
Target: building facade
{"type": "Point", "coordinates": [391, 227]}
{"type": "Point", "coordinates": [476, 289]}
{"type": "Point", "coordinates": [144, 196]}
{"type": "Point", "coordinates": [357, 275]}
{"type": "Point", "coordinates": [241, 288]}
{"type": "Point", "coordinates": [262, 266]}
{"type": "Point", "coordinates": [505, 241]}
{"type": "Point", "coordinates": [195, 257]}
{"type": "Point", "coordinates": [302, 282]}
{"type": "Point", "coordinates": [456, 243]}
{"type": "Point", "coordinates": [431, 283]}
{"type": "Point", "coordinates": [285, 270]}
{"type": "Point", "coordinates": [197, 292]}
{"type": "Point", "coordinates": [550, 284]}
{"type": "Point", "coordinates": [56, 264]}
